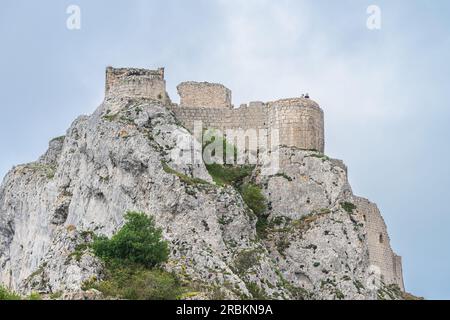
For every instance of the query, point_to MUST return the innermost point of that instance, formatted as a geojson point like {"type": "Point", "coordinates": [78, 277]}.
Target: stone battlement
{"type": "Point", "coordinates": [138, 83]}
{"type": "Point", "coordinates": [299, 121]}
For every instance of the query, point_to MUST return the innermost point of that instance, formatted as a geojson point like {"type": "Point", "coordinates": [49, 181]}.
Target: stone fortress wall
{"type": "Point", "coordinates": [300, 122]}
{"type": "Point", "coordinates": [381, 254]}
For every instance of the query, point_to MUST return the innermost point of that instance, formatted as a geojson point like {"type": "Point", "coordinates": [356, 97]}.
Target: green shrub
{"type": "Point", "coordinates": [130, 257]}
{"type": "Point", "coordinates": [348, 206]}
{"type": "Point", "coordinates": [256, 292]}
{"type": "Point", "coordinates": [139, 283]}
{"type": "Point", "coordinates": [245, 260]}
{"type": "Point", "coordinates": [5, 294]}
{"type": "Point", "coordinates": [228, 174]}
{"type": "Point", "coordinates": [254, 198]}
{"type": "Point", "coordinates": [261, 226]}
{"type": "Point", "coordinates": [138, 242]}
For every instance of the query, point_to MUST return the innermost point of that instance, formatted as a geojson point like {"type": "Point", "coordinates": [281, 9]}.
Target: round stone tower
{"type": "Point", "coordinates": [300, 123]}
{"type": "Point", "coordinates": [136, 83]}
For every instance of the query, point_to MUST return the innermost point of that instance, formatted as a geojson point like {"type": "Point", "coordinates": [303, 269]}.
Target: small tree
{"type": "Point", "coordinates": [138, 242]}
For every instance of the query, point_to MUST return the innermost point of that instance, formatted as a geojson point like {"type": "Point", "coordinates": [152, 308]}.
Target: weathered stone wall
{"type": "Point", "coordinates": [139, 83]}
{"type": "Point", "coordinates": [204, 95]}
{"type": "Point", "coordinates": [381, 254]}
{"type": "Point", "coordinates": [299, 121]}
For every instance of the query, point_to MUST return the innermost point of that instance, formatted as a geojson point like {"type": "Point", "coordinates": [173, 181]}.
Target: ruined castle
{"type": "Point", "coordinates": [300, 122]}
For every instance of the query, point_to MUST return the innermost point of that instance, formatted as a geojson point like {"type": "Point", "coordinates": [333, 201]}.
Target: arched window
{"type": "Point", "coordinates": [381, 238]}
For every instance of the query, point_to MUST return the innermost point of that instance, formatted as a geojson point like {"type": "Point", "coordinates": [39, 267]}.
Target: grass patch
{"type": "Point", "coordinates": [138, 283]}
{"type": "Point", "coordinates": [111, 117]}
{"type": "Point", "coordinates": [45, 169]}
{"type": "Point", "coordinates": [5, 294]}
{"type": "Point", "coordinates": [320, 156]}
{"type": "Point", "coordinates": [228, 174]}
{"type": "Point", "coordinates": [184, 178]}
{"type": "Point", "coordinates": [58, 139]}
{"type": "Point", "coordinates": [390, 292]}
{"type": "Point", "coordinates": [256, 292]}
{"type": "Point", "coordinates": [283, 175]}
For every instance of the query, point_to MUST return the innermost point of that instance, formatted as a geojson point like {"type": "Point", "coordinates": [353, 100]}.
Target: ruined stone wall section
{"type": "Point", "coordinates": [380, 251]}
{"type": "Point", "coordinates": [299, 121]}
{"type": "Point", "coordinates": [222, 119]}
{"type": "Point", "coordinates": [136, 83]}
{"type": "Point", "coordinates": [204, 95]}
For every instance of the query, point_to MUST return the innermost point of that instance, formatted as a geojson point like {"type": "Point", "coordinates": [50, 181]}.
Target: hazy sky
{"type": "Point", "coordinates": [385, 92]}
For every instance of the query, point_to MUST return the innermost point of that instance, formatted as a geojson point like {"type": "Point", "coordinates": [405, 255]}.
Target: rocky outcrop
{"type": "Point", "coordinates": [123, 157]}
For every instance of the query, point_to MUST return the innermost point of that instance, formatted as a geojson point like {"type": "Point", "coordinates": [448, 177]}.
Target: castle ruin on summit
{"type": "Point", "coordinates": [300, 122]}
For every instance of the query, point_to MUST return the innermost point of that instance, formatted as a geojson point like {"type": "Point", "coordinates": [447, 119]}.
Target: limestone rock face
{"type": "Point", "coordinates": [127, 156]}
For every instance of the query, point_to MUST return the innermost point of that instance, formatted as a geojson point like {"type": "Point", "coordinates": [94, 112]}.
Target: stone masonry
{"type": "Point", "coordinates": [139, 83]}
{"type": "Point", "coordinates": [204, 94]}
{"type": "Point", "coordinates": [381, 254]}
{"type": "Point", "coordinates": [300, 122]}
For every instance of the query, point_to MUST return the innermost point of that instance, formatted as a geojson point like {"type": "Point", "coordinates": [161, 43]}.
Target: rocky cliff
{"type": "Point", "coordinates": [316, 237]}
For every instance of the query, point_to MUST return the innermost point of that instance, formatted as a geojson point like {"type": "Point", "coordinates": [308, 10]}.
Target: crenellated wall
{"type": "Point", "coordinates": [139, 83]}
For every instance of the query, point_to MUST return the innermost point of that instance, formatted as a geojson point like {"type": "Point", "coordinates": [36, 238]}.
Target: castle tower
{"type": "Point", "coordinates": [300, 123]}
{"type": "Point", "coordinates": [136, 83]}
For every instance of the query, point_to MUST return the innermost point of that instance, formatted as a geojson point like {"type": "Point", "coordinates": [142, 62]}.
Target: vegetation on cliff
{"type": "Point", "coordinates": [132, 258]}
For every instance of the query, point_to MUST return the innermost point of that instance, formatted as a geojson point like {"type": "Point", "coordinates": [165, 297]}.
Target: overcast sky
{"type": "Point", "coordinates": [385, 92]}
